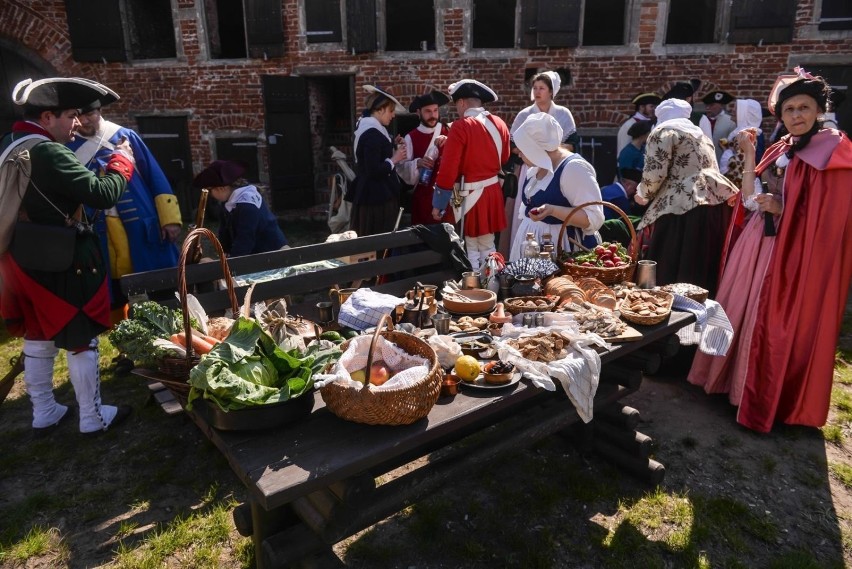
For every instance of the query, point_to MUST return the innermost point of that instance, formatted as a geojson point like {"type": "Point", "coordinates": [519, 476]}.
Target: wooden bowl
{"type": "Point", "coordinates": [481, 301]}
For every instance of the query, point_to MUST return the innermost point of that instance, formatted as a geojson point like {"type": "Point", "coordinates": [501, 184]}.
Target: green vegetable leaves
{"type": "Point", "coordinates": [249, 369]}
{"type": "Point", "coordinates": [148, 321]}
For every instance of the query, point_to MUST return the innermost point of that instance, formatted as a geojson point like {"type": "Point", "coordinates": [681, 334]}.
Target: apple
{"type": "Point", "coordinates": [379, 373]}
{"type": "Point", "coordinates": [360, 376]}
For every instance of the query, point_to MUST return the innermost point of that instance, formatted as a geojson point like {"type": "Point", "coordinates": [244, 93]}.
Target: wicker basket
{"type": "Point", "coordinates": [401, 406]}
{"type": "Point", "coordinates": [652, 319]}
{"type": "Point", "coordinates": [515, 304]}
{"type": "Point", "coordinates": [607, 275]}
{"type": "Point", "coordinates": [177, 369]}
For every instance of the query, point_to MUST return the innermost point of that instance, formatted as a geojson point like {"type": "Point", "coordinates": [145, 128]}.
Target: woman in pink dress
{"type": "Point", "coordinates": [785, 294]}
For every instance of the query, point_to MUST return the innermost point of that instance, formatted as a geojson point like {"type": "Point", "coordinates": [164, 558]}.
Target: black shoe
{"type": "Point", "coordinates": [39, 432]}
{"type": "Point", "coordinates": [123, 365]}
{"type": "Point", "coordinates": [124, 411]}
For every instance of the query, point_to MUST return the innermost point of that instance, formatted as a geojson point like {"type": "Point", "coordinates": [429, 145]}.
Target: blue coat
{"type": "Point", "coordinates": [137, 206]}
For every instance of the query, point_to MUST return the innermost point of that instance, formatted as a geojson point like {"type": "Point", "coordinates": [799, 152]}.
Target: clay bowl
{"type": "Point", "coordinates": [481, 301]}
{"type": "Point", "coordinates": [496, 378]}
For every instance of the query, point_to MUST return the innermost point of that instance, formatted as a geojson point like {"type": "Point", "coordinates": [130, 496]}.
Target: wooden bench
{"type": "Point", "coordinates": [418, 254]}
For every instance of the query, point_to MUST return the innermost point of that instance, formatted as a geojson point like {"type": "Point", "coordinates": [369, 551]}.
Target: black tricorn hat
{"type": "Point", "coordinates": [59, 93]}
{"type": "Point", "coordinates": [107, 98]}
{"type": "Point", "coordinates": [639, 128]}
{"type": "Point", "coordinates": [220, 173]}
{"type": "Point", "coordinates": [471, 88]}
{"type": "Point", "coordinates": [717, 97]}
{"type": "Point", "coordinates": [431, 98]}
{"type": "Point", "coordinates": [680, 90]}
{"type": "Point", "coordinates": [646, 99]}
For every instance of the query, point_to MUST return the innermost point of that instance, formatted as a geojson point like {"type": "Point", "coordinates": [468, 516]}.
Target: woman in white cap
{"type": "Point", "coordinates": [545, 86]}
{"type": "Point", "coordinates": [683, 228]}
{"type": "Point", "coordinates": [749, 117]}
{"type": "Point", "coordinates": [556, 181]}
{"type": "Point", "coordinates": [375, 191]}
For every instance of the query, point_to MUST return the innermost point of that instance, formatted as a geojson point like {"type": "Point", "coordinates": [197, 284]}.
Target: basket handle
{"type": "Point", "coordinates": [185, 255]}
{"type": "Point", "coordinates": [385, 320]}
{"type": "Point", "coordinates": [632, 250]}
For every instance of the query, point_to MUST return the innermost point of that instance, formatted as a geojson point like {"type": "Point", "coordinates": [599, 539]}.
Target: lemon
{"type": "Point", "coordinates": [467, 368]}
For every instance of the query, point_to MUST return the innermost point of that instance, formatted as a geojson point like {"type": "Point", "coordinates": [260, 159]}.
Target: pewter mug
{"type": "Point", "coordinates": [646, 274]}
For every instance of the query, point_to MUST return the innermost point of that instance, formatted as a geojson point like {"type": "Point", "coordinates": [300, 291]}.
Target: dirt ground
{"type": "Point", "coordinates": [111, 491]}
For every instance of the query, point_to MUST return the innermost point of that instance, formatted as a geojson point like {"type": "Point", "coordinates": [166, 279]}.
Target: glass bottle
{"type": "Point", "coordinates": [426, 173]}
{"type": "Point", "coordinates": [531, 249]}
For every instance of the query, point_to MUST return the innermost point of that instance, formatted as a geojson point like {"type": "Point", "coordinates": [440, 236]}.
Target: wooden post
{"type": "Point", "coordinates": [645, 469]}
{"type": "Point", "coordinates": [619, 415]}
{"type": "Point", "coordinates": [630, 441]}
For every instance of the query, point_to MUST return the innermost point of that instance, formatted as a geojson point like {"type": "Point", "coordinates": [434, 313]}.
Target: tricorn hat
{"type": "Point", "coordinates": [59, 93]}
{"type": "Point", "coordinates": [680, 90]}
{"type": "Point", "coordinates": [107, 98]}
{"type": "Point", "coordinates": [646, 99]}
{"type": "Point", "coordinates": [471, 88]}
{"type": "Point", "coordinates": [433, 97]}
{"type": "Point", "coordinates": [721, 97]}
{"type": "Point", "coordinates": [639, 128]}
{"type": "Point", "coordinates": [220, 173]}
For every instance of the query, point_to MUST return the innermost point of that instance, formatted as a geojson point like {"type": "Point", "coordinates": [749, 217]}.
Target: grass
{"type": "Point", "coordinates": [842, 472]}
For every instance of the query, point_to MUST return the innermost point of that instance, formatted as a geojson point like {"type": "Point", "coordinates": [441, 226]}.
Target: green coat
{"type": "Point", "coordinates": [73, 306]}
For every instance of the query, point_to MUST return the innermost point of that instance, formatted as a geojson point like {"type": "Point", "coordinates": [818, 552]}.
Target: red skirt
{"type": "Point", "coordinates": [421, 207]}
{"type": "Point", "coordinates": [488, 214]}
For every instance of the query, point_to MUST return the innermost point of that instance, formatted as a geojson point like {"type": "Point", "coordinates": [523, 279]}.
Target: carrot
{"type": "Point", "coordinates": [199, 345]}
{"type": "Point", "coordinates": [179, 339]}
{"type": "Point", "coordinates": [208, 338]}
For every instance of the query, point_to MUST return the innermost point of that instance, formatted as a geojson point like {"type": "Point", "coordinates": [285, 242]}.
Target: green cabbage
{"type": "Point", "coordinates": [248, 369]}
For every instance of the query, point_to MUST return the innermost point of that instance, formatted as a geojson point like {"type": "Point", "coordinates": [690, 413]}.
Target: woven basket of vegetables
{"type": "Point", "coordinates": [178, 367]}
{"type": "Point", "coordinates": [610, 263]}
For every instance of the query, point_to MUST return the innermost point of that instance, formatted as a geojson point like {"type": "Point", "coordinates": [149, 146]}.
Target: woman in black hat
{"type": "Point", "coordinates": [375, 191]}
{"type": "Point", "coordinates": [785, 294]}
{"type": "Point", "coordinates": [247, 225]}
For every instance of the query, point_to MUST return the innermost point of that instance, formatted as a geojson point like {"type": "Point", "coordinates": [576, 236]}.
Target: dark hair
{"type": "Point", "coordinates": [34, 113]}
{"type": "Point", "coordinates": [815, 88]}
{"type": "Point", "coordinates": [639, 128]}
{"type": "Point", "coordinates": [544, 78]}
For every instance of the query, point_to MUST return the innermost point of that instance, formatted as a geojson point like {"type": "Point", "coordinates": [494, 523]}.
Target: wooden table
{"type": "Point", "coordinates": [312, 484]}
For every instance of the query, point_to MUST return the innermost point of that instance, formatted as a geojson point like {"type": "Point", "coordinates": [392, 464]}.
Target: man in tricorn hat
{"type": "Point", "coordinates": [474, 153]}
{"type": "Point", "coordinates": [644, 104]}
{"type": "Point", "coordinates": [721, 123]}
{"type": "Point", "coordinates": [57, 300]}
{"type": "Point", "coordinates": [139, 233]}
{"type": "Point", "coordinates": [419, 170]}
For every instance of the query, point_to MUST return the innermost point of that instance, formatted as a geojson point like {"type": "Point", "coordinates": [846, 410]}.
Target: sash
{"type": "Point", "coordinates": [471, 198]}
{"type": "Point", "coordinates": [101, 139]}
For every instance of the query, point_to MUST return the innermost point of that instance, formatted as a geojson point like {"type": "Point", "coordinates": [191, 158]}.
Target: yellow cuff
{"type": "Point", "coordinates": [119, 248]}
{"type": "Point", "coordinates": [168, 209]}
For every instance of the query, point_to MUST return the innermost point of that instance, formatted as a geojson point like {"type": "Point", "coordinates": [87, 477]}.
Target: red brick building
{"type": "Point", "coordinates": [276, 82]}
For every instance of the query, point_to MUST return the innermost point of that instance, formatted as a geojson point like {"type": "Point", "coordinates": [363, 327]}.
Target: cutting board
{"type": "Point", "coordinates": [631, 334]}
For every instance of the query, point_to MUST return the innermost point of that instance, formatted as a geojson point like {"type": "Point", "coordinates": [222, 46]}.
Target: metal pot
{"type": "Point", "coordinates": [526, 285]}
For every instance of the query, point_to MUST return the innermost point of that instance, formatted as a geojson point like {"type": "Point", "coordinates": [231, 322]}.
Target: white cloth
{"type": "Point", "coordinates": [365, 124]}
{"type": "Point", "coordinates": [364, 308]}
{"type": "Point", "coordinates": [38, 378]}
{"type": "Point", "coordinates": [85, 377]}
{"type": "Point", "coordinates": [411, 368]}
{"type": "Point", "coordinates": [578, 184]}
{"type": "Point", "coordinates": [407, 169]}
{"type": "Point", "coordinates": [478, 249]}
{"type": "Point", "coordinates": [712, 330]}
{"type": "Point", "coordinates": [578, 373]}
{"type": "Point", "coordinates": [246, 194]}
{"type": "Point", "coordinates": [555, 80]}
{"type": "Point", "coordinates": [674, 113]}
{"type": "Point", "coordinates": [749, 115]}
{"type": "Point", "coordinates": [539, 135]}
{"type": "Point", "coordinates": [562, 115]}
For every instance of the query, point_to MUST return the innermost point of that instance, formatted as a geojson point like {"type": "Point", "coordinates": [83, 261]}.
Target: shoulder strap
{"type": "Point", "coordinates": [495, 134]}
{"type": "Point", "coordinates": [15, 171]}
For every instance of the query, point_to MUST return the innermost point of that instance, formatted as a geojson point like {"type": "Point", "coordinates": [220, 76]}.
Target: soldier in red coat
{"type": "Point", "coordinates": [419, 170]}
{"type": "Point", "coordinates": [474, 153]}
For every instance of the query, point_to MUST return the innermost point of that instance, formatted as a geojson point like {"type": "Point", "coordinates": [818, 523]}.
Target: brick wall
{"type": "Point", "coordinates": [226, 94]}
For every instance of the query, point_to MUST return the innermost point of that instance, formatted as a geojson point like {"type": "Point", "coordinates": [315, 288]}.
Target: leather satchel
{"type": "Point", "coordinates": [510, 185]}
{"type": "Point", "coordinates": [38, 247]}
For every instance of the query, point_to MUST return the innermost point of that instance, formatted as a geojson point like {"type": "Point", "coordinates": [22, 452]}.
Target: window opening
{"type": "Point", "coordinates": [151, 30]}
{"type": "Point", "coordinates": [691, 21]}
{"type": "Point", "coordinates": [835, 15]}
{"type": "Point", "coordinates": [603, 22]}
{"type": "Point", "coordinates": [322, 21]}
{"type": "Point", "coordinates": [409, 26]}
{"type": "Point", "coordinates": [493, 23]}
{"type": "Point", "coordinates": [226, 29]}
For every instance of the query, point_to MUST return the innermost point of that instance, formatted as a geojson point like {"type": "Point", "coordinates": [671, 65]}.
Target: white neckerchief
{"type": "Point", "coordinates": [101, 139]}
{"type": "Point", "coordinates": [246, 194]}
{"type": "Point", "coordinates": [365, 124]}
{"type": "Point", "coordinates": [428, 129]}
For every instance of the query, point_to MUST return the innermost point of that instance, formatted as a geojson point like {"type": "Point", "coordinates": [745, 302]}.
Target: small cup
{"type": "Point", "coordinates": [450, 385]}
{"type": "Point", "coordinates": [471, 280]}
{"type": "Point", "coordinates": [646, 274]}
{"type": "Point", "coordinates": [325, 312]}
{"type": "Point", "coordinates": [441, 321]}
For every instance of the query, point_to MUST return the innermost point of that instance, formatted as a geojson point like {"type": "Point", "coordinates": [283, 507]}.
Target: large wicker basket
{"type": "Point", "coordinates": [607, 275]}
{"type": "Point", "coordinates": [400, 406]}
{"type": "Point", "coordinates": [177, 369]}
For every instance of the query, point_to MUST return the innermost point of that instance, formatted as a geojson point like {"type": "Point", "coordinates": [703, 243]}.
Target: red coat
{"type": "Point", "coordinates": [421, 200]}
{"type": "Point", "coordinates": [469, 152]}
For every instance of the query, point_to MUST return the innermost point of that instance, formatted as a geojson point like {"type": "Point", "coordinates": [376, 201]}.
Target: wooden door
{"type": "Point", "coordinates": [288, 136]}
{"type": "Point", "coordinates": [168, 140]}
